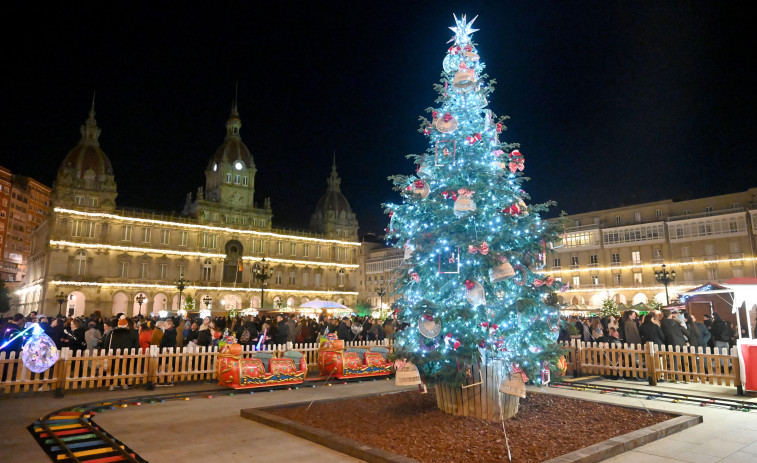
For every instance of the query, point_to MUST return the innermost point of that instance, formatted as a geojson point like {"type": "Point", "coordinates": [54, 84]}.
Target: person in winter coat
{"type": "Point", "coordinates": [92, 337]}
{"type": "Point", "coordinates": [343, 332]}
{"type": "Point", "coordinates": [631, 329]}
{"type": "Point", "coordinates": [694, 334]}
{"type": "Point", "coordinates": [650, 330]}
{"type": "Point", "coordinates": [292, 329]}
{"type": "Point", "coordinates": [720, 332]}
{"type": "Point", "coordinates": [169, 335]}
{"type": "Point", "coordinates": [675, 333]}
{"type": "Point", "coordinates": [145, 335]}
{"type": "Point", "coordinates": [281, 336]}
{"type": "Point", "coordinates": [75, 335]}
{"type": "Point", "coordinates": [10, 341]}
{"type": "Point", "coordinates": [121, 338]}
{"type": "Point", "coordinates": [191, 335]}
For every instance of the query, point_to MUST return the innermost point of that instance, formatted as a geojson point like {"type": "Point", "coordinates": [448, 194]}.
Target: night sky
{"type": "Point", "coordinates": [612, 102]}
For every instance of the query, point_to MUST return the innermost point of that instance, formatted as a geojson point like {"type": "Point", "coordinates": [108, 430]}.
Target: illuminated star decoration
{"type": "Point", "coordinates": [462, 30]}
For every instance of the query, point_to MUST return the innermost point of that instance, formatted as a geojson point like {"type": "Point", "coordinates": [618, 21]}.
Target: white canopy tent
{"type": "Point", "coordinates": [744, 291]}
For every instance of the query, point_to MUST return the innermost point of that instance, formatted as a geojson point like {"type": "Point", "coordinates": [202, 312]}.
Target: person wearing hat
{"type": "Point", "coordinates": [121, 338]}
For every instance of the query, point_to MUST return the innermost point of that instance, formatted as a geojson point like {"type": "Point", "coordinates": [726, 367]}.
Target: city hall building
{"type": "Point", "coordinates": [89, 255]}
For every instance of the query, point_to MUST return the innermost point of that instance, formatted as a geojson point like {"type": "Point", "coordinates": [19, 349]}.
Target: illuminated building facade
{"type": "Point", "coordinates": [614, 253]}
{"type": "Point", "coordinates": [24, 202]}
{"type": "Point", "coordinates": [103, 258]}
{"type": "Point", "coordinates": [378, 273]}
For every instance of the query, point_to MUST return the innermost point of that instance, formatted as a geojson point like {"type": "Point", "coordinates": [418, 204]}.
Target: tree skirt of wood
{"type": "Point", "coordinates": [410, 424]}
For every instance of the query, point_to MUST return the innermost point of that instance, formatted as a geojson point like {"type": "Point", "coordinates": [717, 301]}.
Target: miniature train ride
{"type": "Point", "coordinates": [244, 373]}
{"type": "Point", "coordinates": [336, 362]}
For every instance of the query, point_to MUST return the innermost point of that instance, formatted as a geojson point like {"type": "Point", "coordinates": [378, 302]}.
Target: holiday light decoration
{"type": "Point", "coordinates": [39, 352]}
{"type": "Point", "coordinates": [483, 317]}
{"type": "Point", "coordinates": [194, 287]}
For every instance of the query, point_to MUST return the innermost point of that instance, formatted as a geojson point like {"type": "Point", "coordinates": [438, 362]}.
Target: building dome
{"type": "Point", "coordinates": [333, 213]}
{"type": "Point", "coordinates": [87, 156]}
{"type": "Point", "coordinates": [233, 148]}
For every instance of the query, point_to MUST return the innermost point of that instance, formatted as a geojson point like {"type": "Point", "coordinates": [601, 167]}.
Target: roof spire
{"type": "Point", "coordinates": [234, 123]}
{"type": "Point", "coordinates": [89, 131]}
{"type": "Point", "coordinates": [334, 181]}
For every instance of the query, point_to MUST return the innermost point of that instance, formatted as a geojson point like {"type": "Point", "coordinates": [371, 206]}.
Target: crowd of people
{"type": "Point", "coordinates": [664, 327]}
{"type": "Point", "coordinates": [121, 332]}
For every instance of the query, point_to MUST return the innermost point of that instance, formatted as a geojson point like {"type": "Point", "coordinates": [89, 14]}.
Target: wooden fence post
{"type": "Point", "coordinates": [736, 371]}
{"type": "Point", "coordinates": [651, 361]}
{"type": "Point", "coordinates": [60, 381]}
{"type": "Point", "coordinates": [152, 367]}
{"type": "Point", "coordinates": [577, 358]}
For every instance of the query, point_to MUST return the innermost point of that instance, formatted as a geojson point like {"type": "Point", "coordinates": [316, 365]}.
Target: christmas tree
{"type": "Point", "coordinates": [470, 287]}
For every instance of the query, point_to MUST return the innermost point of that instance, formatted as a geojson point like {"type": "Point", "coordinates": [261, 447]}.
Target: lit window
{"type": "Point", "coordinates": [207, 270]}
{"type": "Point", "coordinates": [80, 263]}
{"type": "Point", "coordinates": [126, 233]}
{"type": "Point", "coordinates": [576, 281]}
{"type": "Point", "coordinates": [123, 271]}
{"type": "Point", "coordinates": [143, 270]}
{"type": "Point", "coordinates": [637, 277]}
{"type": "Point", "coordinates": [557, 262]}
{"type": "Point", "coordinates": [164, 236]}
{"type": "Point", "coordinates": [183, 238]}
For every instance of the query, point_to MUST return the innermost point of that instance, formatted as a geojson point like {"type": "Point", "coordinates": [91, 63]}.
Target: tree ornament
{"type": "Point", "coordinates": [501, 272]}
{"type": "Point", "coordinates": [517, 162]}
{"type": "Point", "coordinates": [519, 269]}
{"type": "Point", "coordinates": [444, 152]}
{"type": "Point", "coordinates": [446, 123]}
{"type": "Point", "coordinates": [545, 374]}
{"type": "Point", "coordinates": [475, 293]}
{"type": "Point", "coordinates": [447, 194]}
{"type": "Point", "coordinates": [408, 251]}
{"type": "Point", "coordinates": [518, 208]}
{"type": "Point", "coordinates": [483, 248]}
{"type": "Point", "coordinates": [464, 203]}
{"type": "Point", "coordinates": [420, 188]}
{"type": "Point", "coordinates": [546, 282]}
{"type": "Point", "coordinates": [465, 79]}
{"type": "Point", "coordinates": [428, 326]}
{"type": "Point", "coordinates": [407, 373]}
{"type": "Point", "coordinates": [449, 339]}
{"type": "Point", "coordinates": [473, 139]}
{"type": "Point", "coordinates": [449, 262]}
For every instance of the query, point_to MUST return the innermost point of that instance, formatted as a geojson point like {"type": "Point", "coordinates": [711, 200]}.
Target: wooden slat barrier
{"type": "Point", "coordinates": [655, 363]}
{"type": "Point", "coordinates": [85, 370]}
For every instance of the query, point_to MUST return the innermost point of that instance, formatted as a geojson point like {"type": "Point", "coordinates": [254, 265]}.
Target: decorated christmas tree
{"type": "Point", "coordinates": [470, 287]}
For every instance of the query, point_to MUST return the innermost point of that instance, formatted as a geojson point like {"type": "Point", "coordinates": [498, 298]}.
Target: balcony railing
{"type": "Point", "coordinates": [705, 214]}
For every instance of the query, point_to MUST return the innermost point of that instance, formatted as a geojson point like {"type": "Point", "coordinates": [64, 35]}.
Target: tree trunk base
{"type": "Point", "coordinates": [482, 400]}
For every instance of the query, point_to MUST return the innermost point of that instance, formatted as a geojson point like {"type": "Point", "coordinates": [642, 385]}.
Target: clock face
{"type": "Point", "coordinates": [238, 165]}
{"type": "Point", "coordinates": [215, 166]}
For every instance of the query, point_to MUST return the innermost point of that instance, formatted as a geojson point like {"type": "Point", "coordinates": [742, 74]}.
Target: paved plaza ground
{"type": "Point", "coordinates": [203, 429]}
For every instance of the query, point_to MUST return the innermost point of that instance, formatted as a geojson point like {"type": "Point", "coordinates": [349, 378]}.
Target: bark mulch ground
{"type": "Point", "coordinates": [410, 424]}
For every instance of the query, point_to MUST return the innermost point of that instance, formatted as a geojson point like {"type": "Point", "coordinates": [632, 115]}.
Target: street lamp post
{"type": "Point", "coordinates": [181, 283]}
{"type": "Point", "coordinates": [381, 291]}
{"type": "Point", "coordinates": [140, 299]}
{"type": "Point", "coordinates": [60, 298]}
{"type": "Point", "coordinates": [665, 278]}
{"type": "Point", "coordinates": [262, 271]}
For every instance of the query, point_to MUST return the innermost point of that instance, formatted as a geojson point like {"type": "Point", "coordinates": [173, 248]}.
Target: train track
{"type": "Point", "coordinates": [675, 397]}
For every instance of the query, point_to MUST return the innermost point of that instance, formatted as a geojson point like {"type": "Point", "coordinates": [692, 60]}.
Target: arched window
{"type": "Point", "coordinates": [80, 263]}
{"type": "Point", "coordinates": [207, 270]}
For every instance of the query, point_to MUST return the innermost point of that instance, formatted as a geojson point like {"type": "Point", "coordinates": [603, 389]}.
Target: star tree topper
{"type": "Point", "coordinates": [462, 31]}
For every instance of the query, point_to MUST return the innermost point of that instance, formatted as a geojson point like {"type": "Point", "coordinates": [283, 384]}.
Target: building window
{"type": "Point", "coordinates": [123, 269]}
{"type": "Point", "coordinates": [738, 272]}
{"type": "Point", "coordinates": [637, 217]}
{"type": "Point", "coordinates": [228, 177]}
{"type": "Point", "coordinates": [636, 257]}
{"type": "Point", "coordinates": [237, 179]}
{"type": "Point", "coordinates": [305, 279]}
{"type": "Point", "coordinates": [318, 252]}
{"type": "Point", "coordinates": [306, 250]}
{"type": "Point", "coordinates": [80, 263]}
{"type": "Point", "coordinates": [593, 259]}
{"type": "Point", "coordinates": [615, 258]}
{"type": "Point", "coordinates": [688, 274]}
{"type": "Point", "coordinates": [180, 268]}
{"type": "Point", "coordinates": [684, 251]}
{"type": "Point", "coordinates": [292, 249]}
{"type": "Point", "coordinates": [574, 260]}
{"type": "Point", "coordinates": [89, 229]}
{"type": "Point", "coordinates": [618, 220]}
{"type": "Point", "coordinates": [279, 247]}
{"type": "Point", "coordinates": [146, 235]}
{"type": "Point", "coordinates": [595, 280]}
{"type": "Point", "coordinates": [162, 271]}
{"type": "Point", "coordinates": [79, 200]}
{"type": "Point", "coordinates": [317, 280]}
{"type": "Point", "coordinates": [93, 202]}
{"type": "Point", "coordinates": [143, 270]}
{"type": "Point", "coordinates": [126, 233]}
{"type": "Point", "coordinates": [244, 181]}
{"type": "Point", "coordinates": [708, 209]}
{"type": "Point", "coordinates": [183, 238]}
{"type": "Point", "coordinates": [340, 278]}
{"type": "Point", "coordinates": [658, 213]}
{"type": "Point", "coordinates": [657, 253]}
{"type": "Point", "coordinates": [576, 281]}
{"type": "Point", "coordinates": [735, 247]}
{"type": "Point", "coordinates": [733, 227]}
{"type": "Point", "coordinates": [557, 261]}
{"type": "Point", "coordinates": [292, 278]}
{"type": "Point", "coordinates": [618, 279]}
{"type": "Point", "coordinates": [207, 270]}
{"type": "Point", "coordinates": [164, 236]}
{"type": "Point", "coordinates": [712, 274]}
{"type": "Point", "coordinates": [277, 278]}
{"type": "Point", "coordinates": [637, 277]}
{"type": "Point", "coordinates": [709, 249]}
{"type": "Point", "coordinates": [76, 227]}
